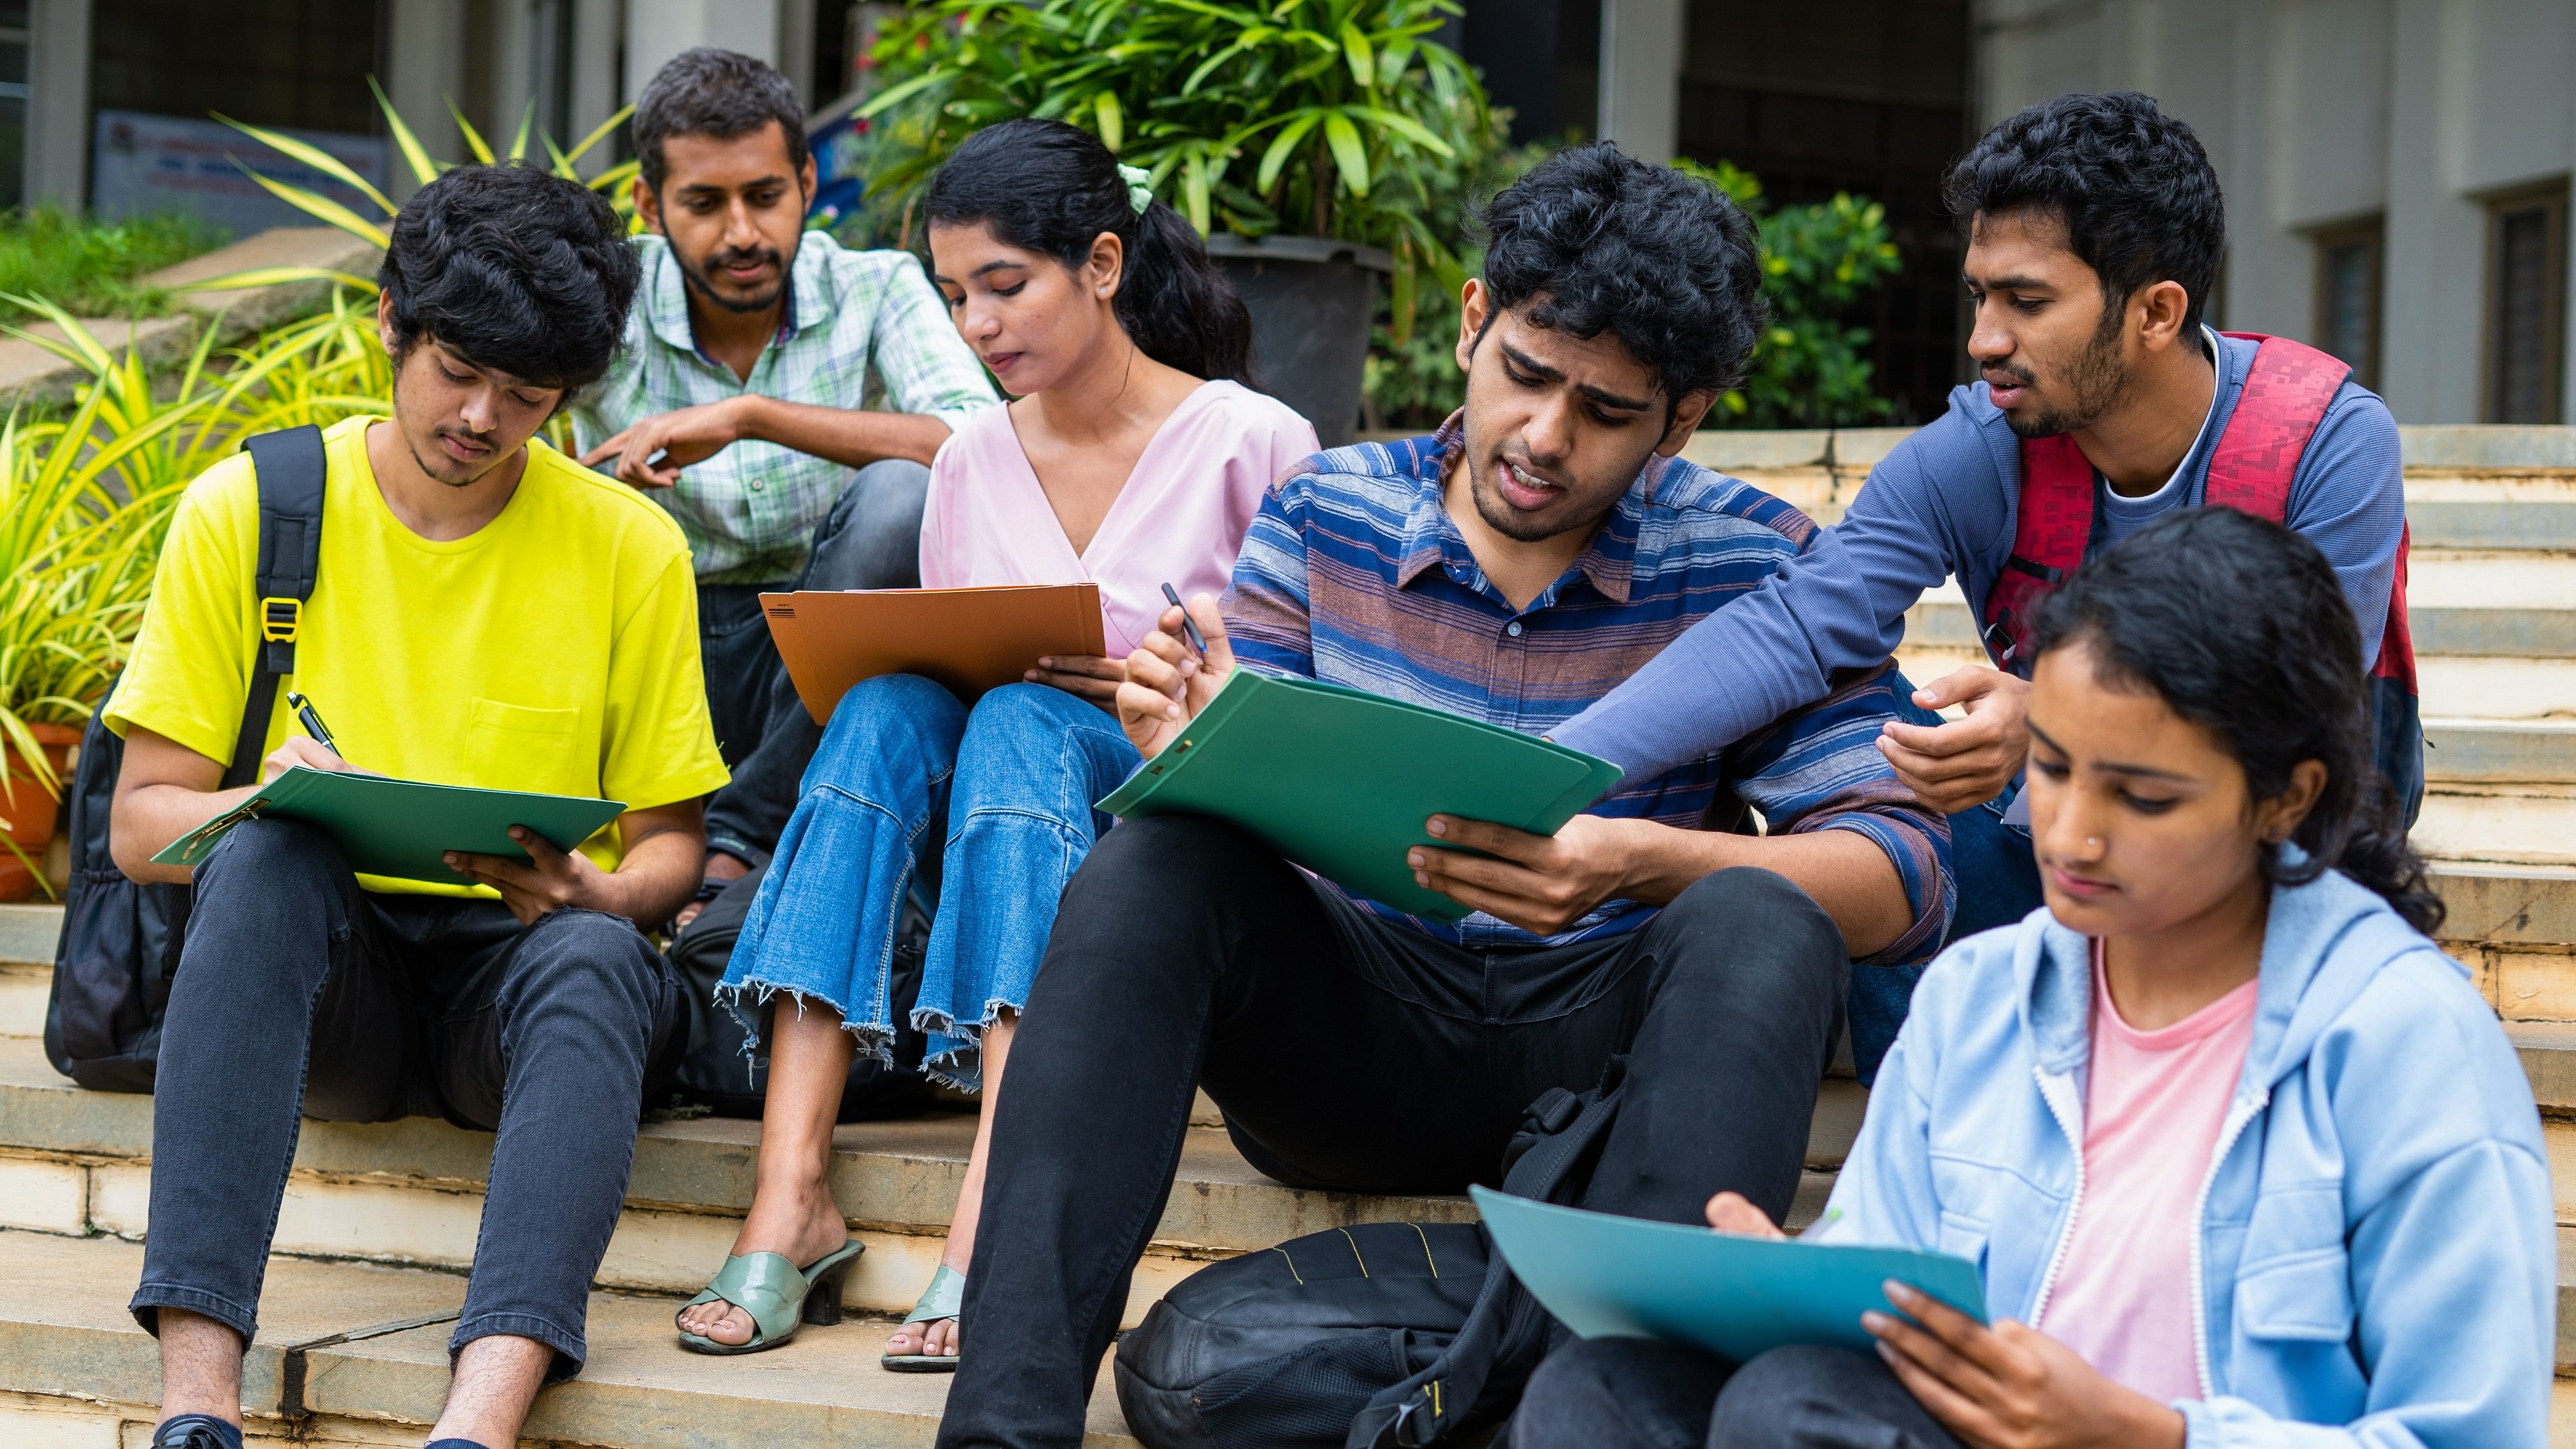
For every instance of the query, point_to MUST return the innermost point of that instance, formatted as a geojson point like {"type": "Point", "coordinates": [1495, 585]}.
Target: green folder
{"type": "Point", "coordinates": [1341, 781]}
{"type": "Point", "coordinates": [400, 828]}
{"type": "Point", "coordinates": [1722, 1293]}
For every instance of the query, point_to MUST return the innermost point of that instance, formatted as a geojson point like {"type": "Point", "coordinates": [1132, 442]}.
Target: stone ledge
{"type": "Point", "coordinates": [31, 374]}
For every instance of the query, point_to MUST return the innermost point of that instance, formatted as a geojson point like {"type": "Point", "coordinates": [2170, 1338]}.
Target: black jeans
{"type": "Point", "coordinates": [1353, 1054]}
{"type": "Point", "coordinates": [297, 993]}
{"type": "Point", "coordinates": [1630, 1393]}
{"type": "Point", "coordinates": [870, 540]}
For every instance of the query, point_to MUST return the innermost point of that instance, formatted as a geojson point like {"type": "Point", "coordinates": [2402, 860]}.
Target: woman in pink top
{"type": "Point", "coordinates": [2242, 1159]}
{"type": "Point", "coordinates": [1131, 458]}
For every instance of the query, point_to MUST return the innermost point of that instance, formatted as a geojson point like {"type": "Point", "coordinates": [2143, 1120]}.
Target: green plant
{"type": "Point", "coordinates": [91, 266]}
{"type": "Point", "coordinates": [1808, 369]}
{"type": "Point", "coordinates": [1335, 118]}
{"type": "Point", "coordinates": [1819, 260]}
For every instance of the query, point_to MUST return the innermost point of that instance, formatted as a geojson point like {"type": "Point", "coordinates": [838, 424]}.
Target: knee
{"type": "Point", "coordinates": [273, 857]}
{"type": "Point", "coordinates": [1022, 724]}
{"type": "Point", "coordinates": [1571, 1397]}
{"type": "Point", "coordinates": [1770, 1399]}
{"type": "Point", "coordinates": [884, 719]}
{"type": "Point", "coordinates": [1184, 857]}
{"type": "Point", "coordinates": [1747, 930]}
{"type": "Point", "coordinates": [586, 960]}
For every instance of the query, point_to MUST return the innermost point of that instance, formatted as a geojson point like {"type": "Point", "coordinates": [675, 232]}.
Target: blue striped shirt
{"type": "Point", "coordinates": [1353, 573]}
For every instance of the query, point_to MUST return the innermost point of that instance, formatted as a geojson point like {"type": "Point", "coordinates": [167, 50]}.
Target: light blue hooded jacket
{"type": "Point", "coordinates": [2375, 1250]}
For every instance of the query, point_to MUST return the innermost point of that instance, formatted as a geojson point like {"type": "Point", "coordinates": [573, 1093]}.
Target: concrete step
{"type": "Point", "coordinates": [354, 1355]}
{"type": "Point", "coordinates": [2499, 631]}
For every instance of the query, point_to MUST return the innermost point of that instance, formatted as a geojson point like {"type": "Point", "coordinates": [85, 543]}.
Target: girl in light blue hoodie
{"type": "Point", "coordinates": [2244, 1160]}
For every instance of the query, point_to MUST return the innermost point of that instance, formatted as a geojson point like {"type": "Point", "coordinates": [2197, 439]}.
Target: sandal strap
{"type": "Point", "coordinates": [767, 1286]}
{"type": "Point", "coordinates": [942, 1299]}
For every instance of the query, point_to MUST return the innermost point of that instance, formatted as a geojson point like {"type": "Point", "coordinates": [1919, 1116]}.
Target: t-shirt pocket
{"type": "Point", "coordinates": [528, 747]}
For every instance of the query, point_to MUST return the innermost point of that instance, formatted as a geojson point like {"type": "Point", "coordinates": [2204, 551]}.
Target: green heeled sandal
{"type": "Point", "coordinates": [945, 1295]}
{"type": "Point", "coordinates": [779, 1296]}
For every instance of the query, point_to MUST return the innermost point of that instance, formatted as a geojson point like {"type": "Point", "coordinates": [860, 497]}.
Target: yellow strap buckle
{"type": "Point", "coordinates": [279, 619]}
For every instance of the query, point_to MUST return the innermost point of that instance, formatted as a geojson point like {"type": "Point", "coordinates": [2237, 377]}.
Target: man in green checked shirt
{"type": "Point", "coordinates": [737, 405]}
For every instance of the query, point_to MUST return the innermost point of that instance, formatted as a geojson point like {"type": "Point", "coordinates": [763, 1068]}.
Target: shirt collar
{"type": "Point", "coordinates": [1431, 537]}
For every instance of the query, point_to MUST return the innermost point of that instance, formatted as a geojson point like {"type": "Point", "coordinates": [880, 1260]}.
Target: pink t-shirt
{"type": "Point", "coordinates": [1179, 519]}
{"type": "Point", "coordinates": [2152, 1111]}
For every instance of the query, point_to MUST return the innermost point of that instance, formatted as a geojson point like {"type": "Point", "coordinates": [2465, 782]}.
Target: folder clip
{"type": "Point", "coordinates": [279, 619]}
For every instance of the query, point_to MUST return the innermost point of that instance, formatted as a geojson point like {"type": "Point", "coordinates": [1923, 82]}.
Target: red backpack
{"type": "Point", "coordinates": [2286, 394]}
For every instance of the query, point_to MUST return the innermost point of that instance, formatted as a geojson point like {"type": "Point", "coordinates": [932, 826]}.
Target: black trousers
{"type": "Point", "coordinates": [1353, 1054]}
{"type": "Point", "coordinates": [1629, 1393]}
{"type": "Point", "coordinates": [297, 994]}
{"type": "Point", "coordinates": [870, 540]}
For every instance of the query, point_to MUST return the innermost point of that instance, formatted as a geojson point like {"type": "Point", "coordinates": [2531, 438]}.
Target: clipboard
{"type": "Point", "coordinates": [967, 640]}
{"type": "Point", "coordinates": [402, 829]}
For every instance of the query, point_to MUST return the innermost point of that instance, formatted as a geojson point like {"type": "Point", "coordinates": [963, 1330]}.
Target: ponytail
{"type": "Point", "coordinates": [2240, 626]}
{"type": "Point", "coordinates": [1047, 187]}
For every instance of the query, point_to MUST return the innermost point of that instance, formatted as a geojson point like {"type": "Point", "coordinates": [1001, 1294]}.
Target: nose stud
{"type": "Point", "coordinates": [2092, 842]}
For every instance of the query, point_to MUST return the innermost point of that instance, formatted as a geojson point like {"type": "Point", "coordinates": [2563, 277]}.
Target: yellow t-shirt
{"type": "Point", "coordinates": [554, 649]}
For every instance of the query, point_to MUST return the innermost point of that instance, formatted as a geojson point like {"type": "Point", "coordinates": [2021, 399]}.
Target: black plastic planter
{"type": "Point", "coordinates": [1311, 302]}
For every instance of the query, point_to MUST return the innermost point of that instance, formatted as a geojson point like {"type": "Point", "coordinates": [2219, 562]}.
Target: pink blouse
{"type": "Point", "coordinates": [1179, 519]}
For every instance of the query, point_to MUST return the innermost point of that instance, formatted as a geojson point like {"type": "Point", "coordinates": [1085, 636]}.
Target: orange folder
{"type": "Point", "coordinates": [970, 640]}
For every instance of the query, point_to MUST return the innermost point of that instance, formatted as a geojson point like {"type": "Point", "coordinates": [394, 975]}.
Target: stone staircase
{"type": "Point", "coordinates": [380, 1220]}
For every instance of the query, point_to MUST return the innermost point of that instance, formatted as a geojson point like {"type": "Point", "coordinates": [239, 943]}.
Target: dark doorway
{"type": "Point", "coordinates": [1540, 58]}
{"type": "Point", "coordinates": [1868, 97]}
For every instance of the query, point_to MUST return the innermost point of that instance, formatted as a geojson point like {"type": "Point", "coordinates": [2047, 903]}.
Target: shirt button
{"type": "Point", "coordinates": [755, 485]}
{"type": "Point", "coordinates": [1513, 628]}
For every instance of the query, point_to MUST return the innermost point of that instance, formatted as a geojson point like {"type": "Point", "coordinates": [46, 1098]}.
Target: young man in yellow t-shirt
{"type": "Point", "coordinates": [485, 613]}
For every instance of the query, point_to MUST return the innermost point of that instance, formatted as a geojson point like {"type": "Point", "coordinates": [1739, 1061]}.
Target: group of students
{"type": "Point", "coordinates": [2241, 1156]}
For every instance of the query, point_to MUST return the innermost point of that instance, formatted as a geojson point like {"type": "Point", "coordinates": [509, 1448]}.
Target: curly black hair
{"type": "Point", "coordinates": [2132, 185]}
{"type": "Point", "coordinates": [2240, 627]}
{"type": "Point", "coordinates": [706, 91]}
{"type": "Point", "coordinates": [1044, 186]}
{"type": "Point", "coordinates": [513, 269]}
{"type": "Point", "coordinates": [1593, 240]}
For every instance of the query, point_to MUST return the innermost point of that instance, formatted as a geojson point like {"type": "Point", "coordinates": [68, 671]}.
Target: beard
{"type": "Point", "coordinates": [2094, 381]}
{"type": "Point", "coordinates": [699, 273]}
{"type": "Point", "coordinates": [1571, 512]}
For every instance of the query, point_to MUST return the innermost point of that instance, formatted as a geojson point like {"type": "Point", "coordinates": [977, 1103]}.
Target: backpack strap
{"type": "Point", "coordinates": [291, 468]}
{"type": "Point", "coordinates": [2052, 527]}
{"type": "Point", "coordinates": [1563, 1131]}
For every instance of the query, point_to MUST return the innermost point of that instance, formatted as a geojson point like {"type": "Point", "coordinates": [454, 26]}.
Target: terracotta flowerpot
{"type": "Point", "coordinates": [27, 810]}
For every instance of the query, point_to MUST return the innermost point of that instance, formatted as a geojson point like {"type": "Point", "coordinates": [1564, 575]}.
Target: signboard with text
{"type": "Point", "coordinates": [142, 163]}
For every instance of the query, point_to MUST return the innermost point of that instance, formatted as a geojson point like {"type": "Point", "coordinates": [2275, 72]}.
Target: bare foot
{"type": "Point", "coordinates": [798, 1221]}
{"type": "Point", "coordinates": [721, 867]}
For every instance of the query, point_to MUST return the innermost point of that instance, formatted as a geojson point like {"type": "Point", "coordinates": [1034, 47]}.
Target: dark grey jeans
{"type": "Point", "coordinates": [870, 540]}
{"type": "Point", "coordinates": [1629, 1393]}
{"type": "Point", "coordinates": [298, 994]}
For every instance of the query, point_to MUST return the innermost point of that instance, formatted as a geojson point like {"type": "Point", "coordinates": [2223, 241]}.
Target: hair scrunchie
{"type": "Point", "coordinates": [1140, 186]}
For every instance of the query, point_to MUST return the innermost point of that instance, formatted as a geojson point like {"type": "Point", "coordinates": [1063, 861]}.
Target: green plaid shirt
{"type": "Point", "coordinates": [861, 329]}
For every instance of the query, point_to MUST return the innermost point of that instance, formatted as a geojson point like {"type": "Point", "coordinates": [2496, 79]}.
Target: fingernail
{"type": "Point", "coordinates": [1422, 880]}
{"type": "Point", "coordinates": [1046, 661]}
{"type": "Point", "coordinates": [1439, 826]}
{"type": "Point", "coordinates": [1886, 1353]}
{"type": "Point", "coordinates": [1414, 860]}
{"type": "Point", "coordinates": [1898, 1293]}
{"type": "Point", "coordinates": [1875, 1321]}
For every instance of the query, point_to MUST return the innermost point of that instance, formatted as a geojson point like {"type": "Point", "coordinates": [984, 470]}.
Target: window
{"type": "Point", "coordinates": [2526, 300]}
{"type": "Point", "coordinates": [2348, 297]}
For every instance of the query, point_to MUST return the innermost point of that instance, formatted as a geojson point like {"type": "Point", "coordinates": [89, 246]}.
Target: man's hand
{"type": "Point", "coordinates": [304, 750]}
{"type": "Point", "coordinates": [2011, 1386]}
{"type": "Point", "coordinates": [1087, 677]}
{"type": "Point", "coordinates": [548, 880]}
{"type": "Point", "coordinates": [1541, 883]}
{"type": "Point", "coordinates": [1968, 761]}
{"type": "Point", "coordinates": [1733, 1212]}
{"type": "Point", "coordinates": [1167, 682]}
{"type": "Point", "coordinates": [690, 435]}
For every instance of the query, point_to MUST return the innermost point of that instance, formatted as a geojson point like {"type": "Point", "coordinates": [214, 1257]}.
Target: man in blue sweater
{"type": "Point", "coordinates": [2095, 233]}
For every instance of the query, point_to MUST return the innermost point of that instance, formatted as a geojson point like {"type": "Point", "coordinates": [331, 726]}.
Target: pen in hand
{"type": "Point", "coordinates": [312, 720]}
{"type": "Point", "coordinates": [1189, 626]}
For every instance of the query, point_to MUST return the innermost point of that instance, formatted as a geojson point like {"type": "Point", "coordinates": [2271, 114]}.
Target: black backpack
{"type": "Point", "coordinates": [1379, 1336]}
{"type": "Point", "coordinates": [120, 941]}
{"type": "Point", "coordinates": [715, 1071]}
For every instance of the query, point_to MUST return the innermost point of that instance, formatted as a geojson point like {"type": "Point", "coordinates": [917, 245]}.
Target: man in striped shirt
{"type": "Point", "coordinates": [1513, 567]}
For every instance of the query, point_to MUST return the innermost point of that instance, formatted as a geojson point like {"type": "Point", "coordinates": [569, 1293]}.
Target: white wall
{"type": "Point", "coordinates": [2323, 111]}
{"type": "Point", "coordinates": [58, 34]}
{"type": "Point", "coordinates": [657, 30]}
{"type": "Point", "coordinates": [1643, 45]}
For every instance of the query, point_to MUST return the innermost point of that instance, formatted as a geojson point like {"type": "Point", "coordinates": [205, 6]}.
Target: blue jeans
{"type": "Point", "coordinates": [1998, 885]}
{"type": "Point", "coordinates": [1014, 778]}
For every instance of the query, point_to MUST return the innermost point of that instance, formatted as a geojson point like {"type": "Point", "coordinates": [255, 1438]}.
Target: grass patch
{"type": "Point", "coordinates": [90, 268]}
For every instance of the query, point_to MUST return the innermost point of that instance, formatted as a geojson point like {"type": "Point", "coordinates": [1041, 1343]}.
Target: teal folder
{"type": "Point", "coordinates": [400, 828]}
{"type": "Point", "coordinates": [1725, 1294]}
{"type": "Point", "coordinates": [1341, 781]}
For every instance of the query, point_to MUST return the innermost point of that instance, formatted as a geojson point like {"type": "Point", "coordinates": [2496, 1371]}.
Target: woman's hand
{"type": "Point", "coordinates": [1087, 677]}
{"type": "Point", "coordinates": [2011, 1386]}
{"type": "Point", "coordinates": [1168, 682]}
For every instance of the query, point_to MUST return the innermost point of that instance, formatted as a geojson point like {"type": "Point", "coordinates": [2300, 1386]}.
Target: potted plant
{"type": "Point", "coordinates": [1310, 141]}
